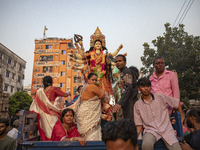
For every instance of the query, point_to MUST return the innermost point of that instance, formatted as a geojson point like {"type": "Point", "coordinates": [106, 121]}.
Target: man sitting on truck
{"type": "Point", "coordinates": [151, 113]}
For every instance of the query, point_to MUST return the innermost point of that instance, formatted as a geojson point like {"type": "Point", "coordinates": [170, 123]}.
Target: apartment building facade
{"type": "Point", "coordinates": [12, 69]}
{"type": "Point", "coordinates": [52, 58]}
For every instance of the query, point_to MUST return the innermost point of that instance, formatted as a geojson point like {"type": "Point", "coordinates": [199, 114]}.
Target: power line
{"type": "Point", "coordinates": [187, 11]}
{"type": "Point", "coordinates": [179, 13]}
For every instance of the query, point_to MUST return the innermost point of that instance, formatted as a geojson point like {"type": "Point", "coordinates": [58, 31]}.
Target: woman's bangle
{"type": "Point", "coordinates": [72, 139]}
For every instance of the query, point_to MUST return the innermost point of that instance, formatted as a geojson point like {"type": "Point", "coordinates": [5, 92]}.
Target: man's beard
{"type": "Point", "coordinates": [189, 124]}
{"type": "Point", "coordinates": [3, 132]}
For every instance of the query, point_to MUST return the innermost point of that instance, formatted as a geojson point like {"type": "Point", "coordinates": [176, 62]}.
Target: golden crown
{"type": "Point", "coordinates": [97, 36]}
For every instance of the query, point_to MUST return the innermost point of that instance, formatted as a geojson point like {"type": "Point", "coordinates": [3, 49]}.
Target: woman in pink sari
{"type": "Point", "coordinates": [49, 124]}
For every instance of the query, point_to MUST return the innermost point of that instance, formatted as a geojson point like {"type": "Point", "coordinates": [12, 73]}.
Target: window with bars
{"type": "Point", "coordinates": [15, 64]}
{"type": "Point", "coordinates": [62, 84]}
{"type": "Point", "coordinates": [13, 76]}
{"type": "Point", "coordinates": [6, 87]}
{"type": "Point", "coordinates": [62, 73]}
{"type": "Point", "coordinates": [48, 46]}
{"type": "Point", "coordinates": [19, 79]}
{"type": "Point", "coordinates": [20, 68]}
{"type": "Point", "coordinates": [11, 89]}
{"type": "Point", "coordinates": [7, 73]}
{"type": "Point", "coordinates": [9, 61]}
{"type": "Point", "coordinates": [62, 62]}
{"type": "Point", "coordinates": [63, 52]}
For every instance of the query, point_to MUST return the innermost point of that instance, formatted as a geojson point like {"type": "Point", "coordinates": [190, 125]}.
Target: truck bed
{"type": "Point", "coordinates": [28, 122]}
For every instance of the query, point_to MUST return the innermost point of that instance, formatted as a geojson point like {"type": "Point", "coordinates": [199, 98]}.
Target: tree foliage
{"type": "Point", "coordinates": [19, 100]}
{"type": "Point", "coordinates": [181, 53]}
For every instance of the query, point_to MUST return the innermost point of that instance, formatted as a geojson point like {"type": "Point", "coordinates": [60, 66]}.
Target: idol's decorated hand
{"type": "Point", "coordinates": [72, 52]}
{"type": "Point", "coordinates": [73, 67]}
{"type": "Point", "coordinates": [116, 108]}
{"type": "Point", "coordinates": [121, 46]}
{"type": "Point", "coordinates": [76, 44]}
{"type": "Point", "coordinates": [71, 59]}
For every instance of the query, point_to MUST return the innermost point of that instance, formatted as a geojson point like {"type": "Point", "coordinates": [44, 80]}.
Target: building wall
{"type": "Point", "coordinates": [27, 89]}
{"type": "Point", "coordinates": [12, 69]}
{"type": "Point", "coordinates": [51, 57]}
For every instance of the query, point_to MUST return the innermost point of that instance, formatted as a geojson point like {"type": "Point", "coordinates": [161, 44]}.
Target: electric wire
{"type": "Point", "coordinates": [179, 13]}
{"type": "Point", "coordinates": [186, 12]}
{"type": "Point", "coordinates": [183, 13]}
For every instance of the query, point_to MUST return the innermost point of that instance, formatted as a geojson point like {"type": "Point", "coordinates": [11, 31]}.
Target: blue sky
{"type": "Point", "coordinates": [127, 22]}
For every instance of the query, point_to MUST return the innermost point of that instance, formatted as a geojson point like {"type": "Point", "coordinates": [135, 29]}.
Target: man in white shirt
{"type": "Point", "coordinates": [14, 132]}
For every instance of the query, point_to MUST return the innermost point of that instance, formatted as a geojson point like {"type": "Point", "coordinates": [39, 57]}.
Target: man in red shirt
{"type": "Point", "coordinates": [151, 113]}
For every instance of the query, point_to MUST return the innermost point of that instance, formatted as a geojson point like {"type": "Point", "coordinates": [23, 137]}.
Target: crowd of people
{"type": "Point", "coordinates": [81, 121]}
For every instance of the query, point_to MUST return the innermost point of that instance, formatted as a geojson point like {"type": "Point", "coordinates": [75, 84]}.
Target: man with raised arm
{"type": "Point", "coordinates": [151, 113]}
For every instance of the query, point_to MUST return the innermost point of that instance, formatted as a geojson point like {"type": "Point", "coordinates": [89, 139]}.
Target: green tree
{"type": "Point", "coordinates": [181, 53]}
{"type": "Point", "coordinates": [19, 100]}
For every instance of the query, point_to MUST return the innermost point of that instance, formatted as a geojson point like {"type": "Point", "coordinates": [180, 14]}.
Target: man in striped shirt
{"type": "Point", "coordinates": [151, 113]}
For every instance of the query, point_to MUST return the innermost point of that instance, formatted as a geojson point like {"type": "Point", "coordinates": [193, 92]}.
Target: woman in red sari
{"type": "Point", "coordinates": [68, 123]}
{"type": "Point", "coordinates": [49, 124]}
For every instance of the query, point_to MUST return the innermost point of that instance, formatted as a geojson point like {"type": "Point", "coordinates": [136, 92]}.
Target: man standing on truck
{"type": "Point", "coordinates": [165, 81]}
{"type": "Point", "coordinates": [128, 86]}
{"type": "Point", "coordinates": [6, 142]}
{"type": "Point", "coordinates": [150, 112]}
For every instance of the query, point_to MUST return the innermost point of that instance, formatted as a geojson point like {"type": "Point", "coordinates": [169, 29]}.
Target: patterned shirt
{"type": "Point", "coordinates": [128, 86]}
{"type": "Point", "coordinates": [154, 117]}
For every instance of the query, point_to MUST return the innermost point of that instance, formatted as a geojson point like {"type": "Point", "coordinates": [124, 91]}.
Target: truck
{"type": "Point", "coordinates": [29, 139]}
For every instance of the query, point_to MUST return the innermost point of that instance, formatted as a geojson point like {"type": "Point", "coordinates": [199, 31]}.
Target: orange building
{"type": "Point", "coordinates": [51, 57]}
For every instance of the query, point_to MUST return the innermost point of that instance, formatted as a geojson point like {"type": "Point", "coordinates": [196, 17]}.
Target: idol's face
{"type": "Point", "coordinates": [97, 45]}
{"type": "Point", "coordinates": [159, 65]}
{"type": "Point", "coordinates": [93, 80]}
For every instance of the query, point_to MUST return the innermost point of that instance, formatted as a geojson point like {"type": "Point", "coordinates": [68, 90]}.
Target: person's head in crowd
{"type": "Point", "coordinates": [17, 112]}
{"type": "Point", "coordinates": [67, 116]}
{"type": "Point", "coordinates": [120, 135]}
{"type": "Point", "coordinates": [47, 81]}
{"type": "Point", "coordinates": [92, 78]}
{"type": "Point", "coordinates": [159, 64]}
{"type": "Point", "coordinates": [135, 71]}
{"type": "Point", "coordinates": [16, 124]}
{"type": "Point", "coordinates": [4, 125]}
{"type": "Point", "coordinates": [120, 61]}
{"type": "Point", "coordinates": [193, 117]}
{"type": "Point", "coordinates": [144, 86]}
{"type": "Point", "coordinates": [79, 88]}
